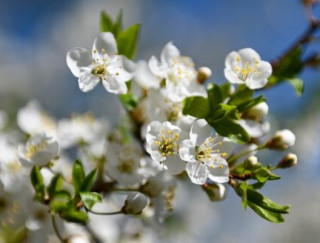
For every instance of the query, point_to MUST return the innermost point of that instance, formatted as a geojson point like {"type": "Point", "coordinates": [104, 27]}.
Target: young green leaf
{"type": "Point", "coordinates": [266, 203]}
{"type": "Point", "coordinates": [220, 112]}
{"type": "Point", "coordinates": [215, 95]}
{"type": "Point", "coordinates": [248, 104]}
{"type": "Point", "coordinates": [127, 41]}
{"type": "Point", "coordinates": [106, 23]}
{"type": "Point", "coordinates": [273, 217]}
{"type": "Point", "coordinates": [298, 85]}
{"type": "Point", "coordinates": [232, 130]}
{"type": "Point", "coordinates": [75, 216]}
{"type": "Point", "coordinates": [77, 175]}
{"type": "Point", "coordinates": [60, 201]}
{"type": "Point", "coordinates": [129, 101]}
{"type": "Point", "coordinates": [241, 96]}
{"type": "Point", "coordinates": [88, 181]}
{"type": "Point", "coordinates": [55, 185]}
{"type": "Point", "coordinates": [90, 198]}
{"type": "Point", "coordinates": [117, 28]}
{"type": "Point", "coordinates": [37, 182]}
{"type": "Point", "coordinates": [196, 106]}
{"type": "Point", "coordinates": [243, 187]}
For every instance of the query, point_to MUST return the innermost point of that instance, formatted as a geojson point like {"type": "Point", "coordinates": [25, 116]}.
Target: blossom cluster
{"type": "Point", "coordinates": [177, 127]}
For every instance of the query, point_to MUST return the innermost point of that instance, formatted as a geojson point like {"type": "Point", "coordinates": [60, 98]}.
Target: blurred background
{"type": "Point", "coordinates": [35, 36]}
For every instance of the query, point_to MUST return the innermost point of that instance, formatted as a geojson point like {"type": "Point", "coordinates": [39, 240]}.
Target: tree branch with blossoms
{"type": "Point", "coordinates": [175, 128]}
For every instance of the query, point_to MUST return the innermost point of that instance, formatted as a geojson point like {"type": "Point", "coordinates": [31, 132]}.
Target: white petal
{"type": "Point", "coordinates": [248, 54]}
{"type": "Point", "coordinates": [231, 60]}
{"type": "Point", "coordinates": [156, 68]}
{"type": "Point", "coordinates": [225, 147]}
{"type": "Point", "coordinates": [105, 41]}
{"type": "Point", "coordinates": [78, 58]}
{"type": "Point", "coordinates": [232, 77]}
{"type": "Point", "coordinates": [174, 164]}
{"type": "Point", "coordinates": [144, 77]}
{"type": "Point", "coordinates": [114, 85]}
{"type": "Point", "coordinates": [200, 131]}
{"type": "Point", "coordinates": [197, 172]}
{"type": "Point", "coordinates": [187, 150]}
{"type": "Point", "coordinates": [168, 52]}
{"type": "Point", "coordinates": [87, 81]}
{"type": "Point", "coordinates": [153, 130]}
{"type": "Point", "coordinates": [220, 171]}
{"type": "Point", "coordinates": [254, 129]}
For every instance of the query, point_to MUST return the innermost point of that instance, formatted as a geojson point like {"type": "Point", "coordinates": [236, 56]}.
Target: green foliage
{"type": "Point", "coordinates": [55, 185]}
{"type": "Point", "coordinates": [127, 40]}
{"type": "Point", "coordinates": [263, 206]}
{"type": "Point", "coordinates": [298, 85]}
{"type": "Point", "coordinates": [38, 185]}
{"type": "Point", "coordinates": [88, 181]}
{"type": "Point", "coordinates": [60, 201]}
{"type": "Point", "coordinates": [90, 198]}
{"type": "Point", "coordinates": [75, 216]}
{"type": "Point", "coordinates": [196, 106]}
{"type": "Point", "coordinates": [77, 175]}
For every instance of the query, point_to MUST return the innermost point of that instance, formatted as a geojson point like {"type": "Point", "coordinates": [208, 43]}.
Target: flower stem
{"type": "Point", "coordinates": [106, 213]}
{"type": "Point", "coordinates": [233, 159]}
{"type": "Point", "coordinates": [54, 224]}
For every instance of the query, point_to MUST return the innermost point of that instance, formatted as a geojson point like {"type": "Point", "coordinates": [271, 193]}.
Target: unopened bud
{"type": "Point", "coordinates": [288, 161]}
{"type": "Point", "coordinates": [135, 203]}
{"type": "Point", "coordinates": [78, 239]}
{"type": "Point", "coordinates": [257, 112]}
{"type": "Point", "coordinates": [282, 140]}
{"type": "Point", "coordinates": [252, 160]}
{"type": "Point", "coordinates": [204, 73]}
{"type": "Point", "coordinates": [215, 192]}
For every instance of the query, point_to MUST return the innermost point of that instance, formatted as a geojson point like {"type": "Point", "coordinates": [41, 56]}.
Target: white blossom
{"type": "Point", "coordinates": [246, 67]}
{"type": "Point", "coordinates": [32, 119]}
{"type": "Point", "coordinates": [39, 150]}
{"type": "Point", "coordinates": [178, 73]}
{"type": "Point", "coordinates": [162, 143]}
{"type": "Point", "coordinates": [103, 64]}
{"type": "Point", "coordinates": [205, 155]}
{"type": "Point", "coordinates": [282, 139]}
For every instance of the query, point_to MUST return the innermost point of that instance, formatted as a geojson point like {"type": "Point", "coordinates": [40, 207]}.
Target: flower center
{"type": "Point", "coordinates": [126, 166]}
{"type": "Point", "coordinates": [182, 70]}
{"type": "Point", "coordinates": [168, 143]}
{"type": "Point", "coordinates": [246, 69]}
{"type": "Point", "coordinates": [33, 149]}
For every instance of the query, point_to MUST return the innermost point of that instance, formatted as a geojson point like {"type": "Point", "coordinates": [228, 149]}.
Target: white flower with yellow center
{"type": "Point", "coordinates": [178, 72]}
{"type": "Point", "coordinates": [246, 67]}
{"type": "Point", "coordinates": [102, 65]}
{"type": "Point", "coordinates": [205, 154]}
{"type": "Point", "coordinates": [163, 145]}
{"type": "Point", "coordinates": [39, 150]}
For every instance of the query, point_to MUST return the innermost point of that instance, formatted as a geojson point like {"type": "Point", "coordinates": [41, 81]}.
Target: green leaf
{"type": "Point", "coordinates": [106, 23]}
{"type": "Point", "coordinates": [248, 104]}
{"type": "Point", "coordinates": [220, 112]}
{"type": "Point", "coordinates": [129, 101]}
{"type": "Point", "coordinates": [60, 201]}
{"type": "Point", "coordinates": [243, 187]}
{"type": "Point", "coordinates": [262, 201]}
{"type": "Point", "coordinates": [196, 106]}
{"type": "Point", "coordinates": [215, 95]}
{"type": "Point", "coordinates": [241, 96]}
{"type": "Point", "coordinates": [127, 41]}
{"type": "Point", "coordinates": [266, 214]}
{"type": "Point", "coordinates": [37, 182]}
{"type": "Point", "coordinates": [55, 185]}
{"type": "Point", "coordinates": [77, 175]}
{"type": "Point", "coordinates": [90, 198]}
{"type": "Point", "coordinates": [298, 85]}
{"type": "Point", "coordinates": [262, 174]}
{"type": "Point", "coordinates": [88, 181]}
{"type": "Point", "coordinates": [117, 28]}
{"type": "Point", "coordinates": [75, 216]}
{"type": "Point", "coordinates": [232, 130]}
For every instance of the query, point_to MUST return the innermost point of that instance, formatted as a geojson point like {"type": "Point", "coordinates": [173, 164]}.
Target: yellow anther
{"type": "Point", "coordinates": [238, 58]}
{"type": "Point", "coordinates": [224, 155]}
{"type": "Point", "coordinates": [221, 166]}
{"type": "Point", "coordinates": [220, 143]}
{"type": "Point", "coordinates": [103, 50]}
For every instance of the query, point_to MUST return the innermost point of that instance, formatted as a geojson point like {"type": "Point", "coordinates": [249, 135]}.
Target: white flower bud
{"type": "Point", "coordinates": [78, 239]}
{"type": "Point", "coordinates": [215, 192]}
{"type": "Point", "coordinates": [135, 203]}
{"type": "Point", "coordinates": [204, 73]}
{"type": "Point", "coordinates": [252, 160]}
{"type": "Point", "coordinates": [282, 140]}
{"type": "Point", "coordinates": [258, 111]}
{"type": "Point", "coordinates": [288, 161]}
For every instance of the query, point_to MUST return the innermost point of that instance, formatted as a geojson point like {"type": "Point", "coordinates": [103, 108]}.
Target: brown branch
{"type": "Point", "coordinates": [242, 177]}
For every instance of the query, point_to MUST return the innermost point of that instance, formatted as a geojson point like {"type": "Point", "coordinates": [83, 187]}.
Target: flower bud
{"type": "Point", "coordinates": [215, 192]}
{"type": "Point", "coordinates": [135, 203]}
{"type": "Point", "coordinates": [282, 140]}
{"type": "Point", "coordinates": [78, 239]}
{"type": "Point", "coordinates": [251, 162]}
{"type": "Point", "coordinates": [288, 161]}
{"type": "Point", "coordinates": [204, 73]}
{"type": "Point", "coordinates": [257, 112]}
